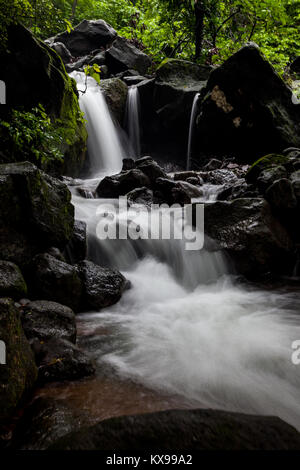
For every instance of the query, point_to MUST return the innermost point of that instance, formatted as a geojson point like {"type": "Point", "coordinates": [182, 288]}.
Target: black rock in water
{"type": "Point", "coordinates": [190, 430]}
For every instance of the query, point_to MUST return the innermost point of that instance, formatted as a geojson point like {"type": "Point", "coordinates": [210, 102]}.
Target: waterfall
{"type": "Point", "coordinates": [104, 148]}
{"type": "Point", "coordinates": [132, 120]}
{"type": "Point", "coordinates": [191, 130]}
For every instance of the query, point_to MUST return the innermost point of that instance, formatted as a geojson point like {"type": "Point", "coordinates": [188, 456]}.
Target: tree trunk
{"type": "Point", "coordinates": [74, 8]}
{"type": "Point", "coordinates": [199, 14]}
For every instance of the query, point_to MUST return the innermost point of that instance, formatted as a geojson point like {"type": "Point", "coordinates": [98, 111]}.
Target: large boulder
{"type": "Point", "coordinates": [191, 430]}
{"type": "Point", "coordinates": [43, 422]}
{"type": "Point", "coordinates": [115, 92]}
{"type": "Point", "coordinates": [12, 283]}
{"type": "Point", "coordinates": [34, 74]}
{"type": "Point", "coordinates": [45, 320]}
{"type": "Point", "coordinates": [247, 108]}
{"type": "Point", "coordinates": [122, 183]}
{"type": "Point", "coordinates": [52, 279]}
{"type": "Point", "coordinates": [253, 237]}
{"type": "Point", "coordinates": [76, 249]}
{"type": "Point", "coordinates": [102, 286]}
{"type": "Point", "coordinates": [19, 374]}
{"type": "Point", "coordinates": [123, 55]}
{"type": "Point", "coordinates": [41, 205]}
{"type": "Point", "coordinates": [85, 37]}
{"type": "Point", "coordinates": [61, 360]}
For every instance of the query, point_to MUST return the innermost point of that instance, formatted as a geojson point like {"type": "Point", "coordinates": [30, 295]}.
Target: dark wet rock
{"type": "Point", "coordinates": [123, 55]}
{"type": "Point", "coordinates": [269, 162]}
{"type": "Point", "coordinates": [268, 176]}
{"type": "Point", "coordinates": [85, 37]}
{"type": "Point", "coordinates": [61, 360]}
{"type": "Point", "coordinates": [19, 374]}
{"type": "Point", "coordinates": [247, 109]}
{"type": "Point", "coordinates": [76, 249]}
{"type": "Point", "coordinates": [221, 176]}
{"type": "Point", "coordinates": [174, 192]}
{"type": "Point", "coordinates": [102, 286]}
{"type": "Point", "coordinates": [78, 64]}
{"type": "Point", "coordinates": [56, 253]}
{"type": "Point", "coordinates": [45, 320]}
{"type": "Point", "coordinates": [12, 283]}
{"type": "Point", "coordinates": [34, 74]}
{"type": "Point", "coordinates": [52, 279]}
{"type": "Point", "coordinates": [295, 178]}
{"type": "Point", "coordinates": [122, 183]}
{"type": "Point", "coordinates": [281, 195]}
{"type": "Point", "coordinates": [184, 175]}
{"type": "Point", "coordinates": [140, 196]}
{"type": "Point", "coordinates": [128, 164]}
{"type": "Point", "coordinates": [115, 92]}
{"type": "Point", "coordinates": [44, 421]}
{"type": "Point", "coordinates": [190, 430]}
{"type": "Point", "coordinates": [238, 190]}
{"type": "Point", "coordinates": [195, 180]}
{"type": "Point", "coordinates": [62, 51]}
{"type": "Point", "coordinates": [15, 247]}
{"type": "Point", "coordinates": [213, 164]}
{"type": "Point", "coordinates": [98, 59]}
{"type": "Point", "coordinates": [130, 81]}
{"type": "Point", "coordinates": [253, 237]}
{"type": "Point", "coordinates": [151, 169]}
{"type": "Point", "coordinates": [42, 206]}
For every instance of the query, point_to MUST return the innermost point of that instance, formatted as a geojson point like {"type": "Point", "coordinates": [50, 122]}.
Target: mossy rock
{"type": "Point", "coordinates": [12, 283]}
{"type": "Point", "coordinates": [19, 374]}
{"type": "Point", "coordinates": [35, 74]}
{"type": "Point", "coordinates": [180, 71]}
{"type": "Point", "coordinates": [268, 161]}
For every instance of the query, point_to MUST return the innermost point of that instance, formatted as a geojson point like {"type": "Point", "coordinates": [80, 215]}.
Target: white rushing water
{"type": "Point", "coordinates": [132, 121]}
{"type": "Point", "coordinates": [191, 130]}
{"type": "Point", "coordinates": [186, 327]}
{"type": "Point", "coordinates": [104, 147]}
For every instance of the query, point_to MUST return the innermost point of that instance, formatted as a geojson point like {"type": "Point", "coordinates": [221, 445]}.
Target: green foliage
{"type": "Point", "coordinates": [93, 71]}
{"type": "Point", "coordinates": [12, 11]}
{"type": "Point", "coordinates": [31, 135]}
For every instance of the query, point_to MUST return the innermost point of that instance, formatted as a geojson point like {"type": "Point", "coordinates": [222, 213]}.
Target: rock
{"type": "Point", "coordinates": [213, 164]}
{"type": "Point", "coordinates": [191, 430]}
{"type": "Point", "coordinates": [62, 360]}
{"type": "Point", "coordinates": [55, 280]}
{"type": "Point", "coordinates": [268, 162]}
{"type": "Point", "coordinates": [281, 196]}
{"type": "Point", "coordinates": [98, 59]}
{"type": "Point", "coordinates": [16, 248]}
{"type": "Point", "coordinates": [177, 82]}
{"type": "Point", "coordinates": [34, 74]}
{"type": "Point", "coordinates": [247, 109]}
{"type": "Point", "coordinates": [62, 51]}
{"type": "Point", "coordinates": [76, 249]}
{"type": "Point", "coordinates": [44, 421]}
{"type": "Point", "coordinates": [56, 253]}
{"type": "Point", "coordinates": [128, 164]}
{"type": "Point", "coordinates": [102, 286]}
{"type": "Point", "coordinates": [42, 206]}
{"type": "Point", "coordinates": [130, 81]}
{"type": "Point", "coordinates": [295, 66]}
{"type": "Point", "coordinates": [268, 176]}
{"type": "Point", "coordinates": [122, 183]}
{"type": "Point", "coordinates": [78, 64]}
{"type": "Point", "coordinates": [19, 374]}
{"type": "Point", "coordinates": [85, 37]}
{"type": "Point", "coordinates": [124, 55]}
{"type": "Point", "coordinates": [295, 178]}
{"type": "Point", "coordinates": [115, 92]}
{"type": "Point", "coordinates": [151, 169]}
{"type": "Point", "coordinates": [173, 192]}
{"type": "Point", "coordinates": [253, 237]}
{"type": "Point", "coordinates": [12, 283]}
{"type": "Point", "coordinates": [221, 176]}
{"type": "Point", "coordinates": [184, 175]}
{"type": "Point", "coordinates": [46, 320]}
{"type": "Point", "coordinates": [140, 196]}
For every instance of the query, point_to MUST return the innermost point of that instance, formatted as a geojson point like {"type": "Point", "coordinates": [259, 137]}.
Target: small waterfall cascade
{"type": "Point", "coordinates": [191, 130]}
{"type": "Point", "coordinates": [104, 147]}
{"type": "Point", "coordinates": [132, 121]}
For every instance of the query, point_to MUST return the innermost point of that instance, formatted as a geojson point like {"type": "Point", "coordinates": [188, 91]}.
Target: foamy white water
{"type": "Point", "coordinates": [104, 147]}
{"type": "Point", "coordinates": [132, 121]}
{"type": "Point", "coordinates": [191, 130]}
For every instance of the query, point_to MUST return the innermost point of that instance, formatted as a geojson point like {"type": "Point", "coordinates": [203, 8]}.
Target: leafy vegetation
{"type": "Point", "coordinates": [32, 135]}
{"type": "Point", "coordinates": [206, 30]}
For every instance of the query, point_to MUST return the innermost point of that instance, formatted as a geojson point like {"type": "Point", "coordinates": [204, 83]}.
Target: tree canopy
{"type": "Point", "coordinates": [207, 31]}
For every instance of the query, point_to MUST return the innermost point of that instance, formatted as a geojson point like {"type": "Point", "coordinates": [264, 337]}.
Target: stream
{"type": "Point", "coordinates": [187, 333]}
